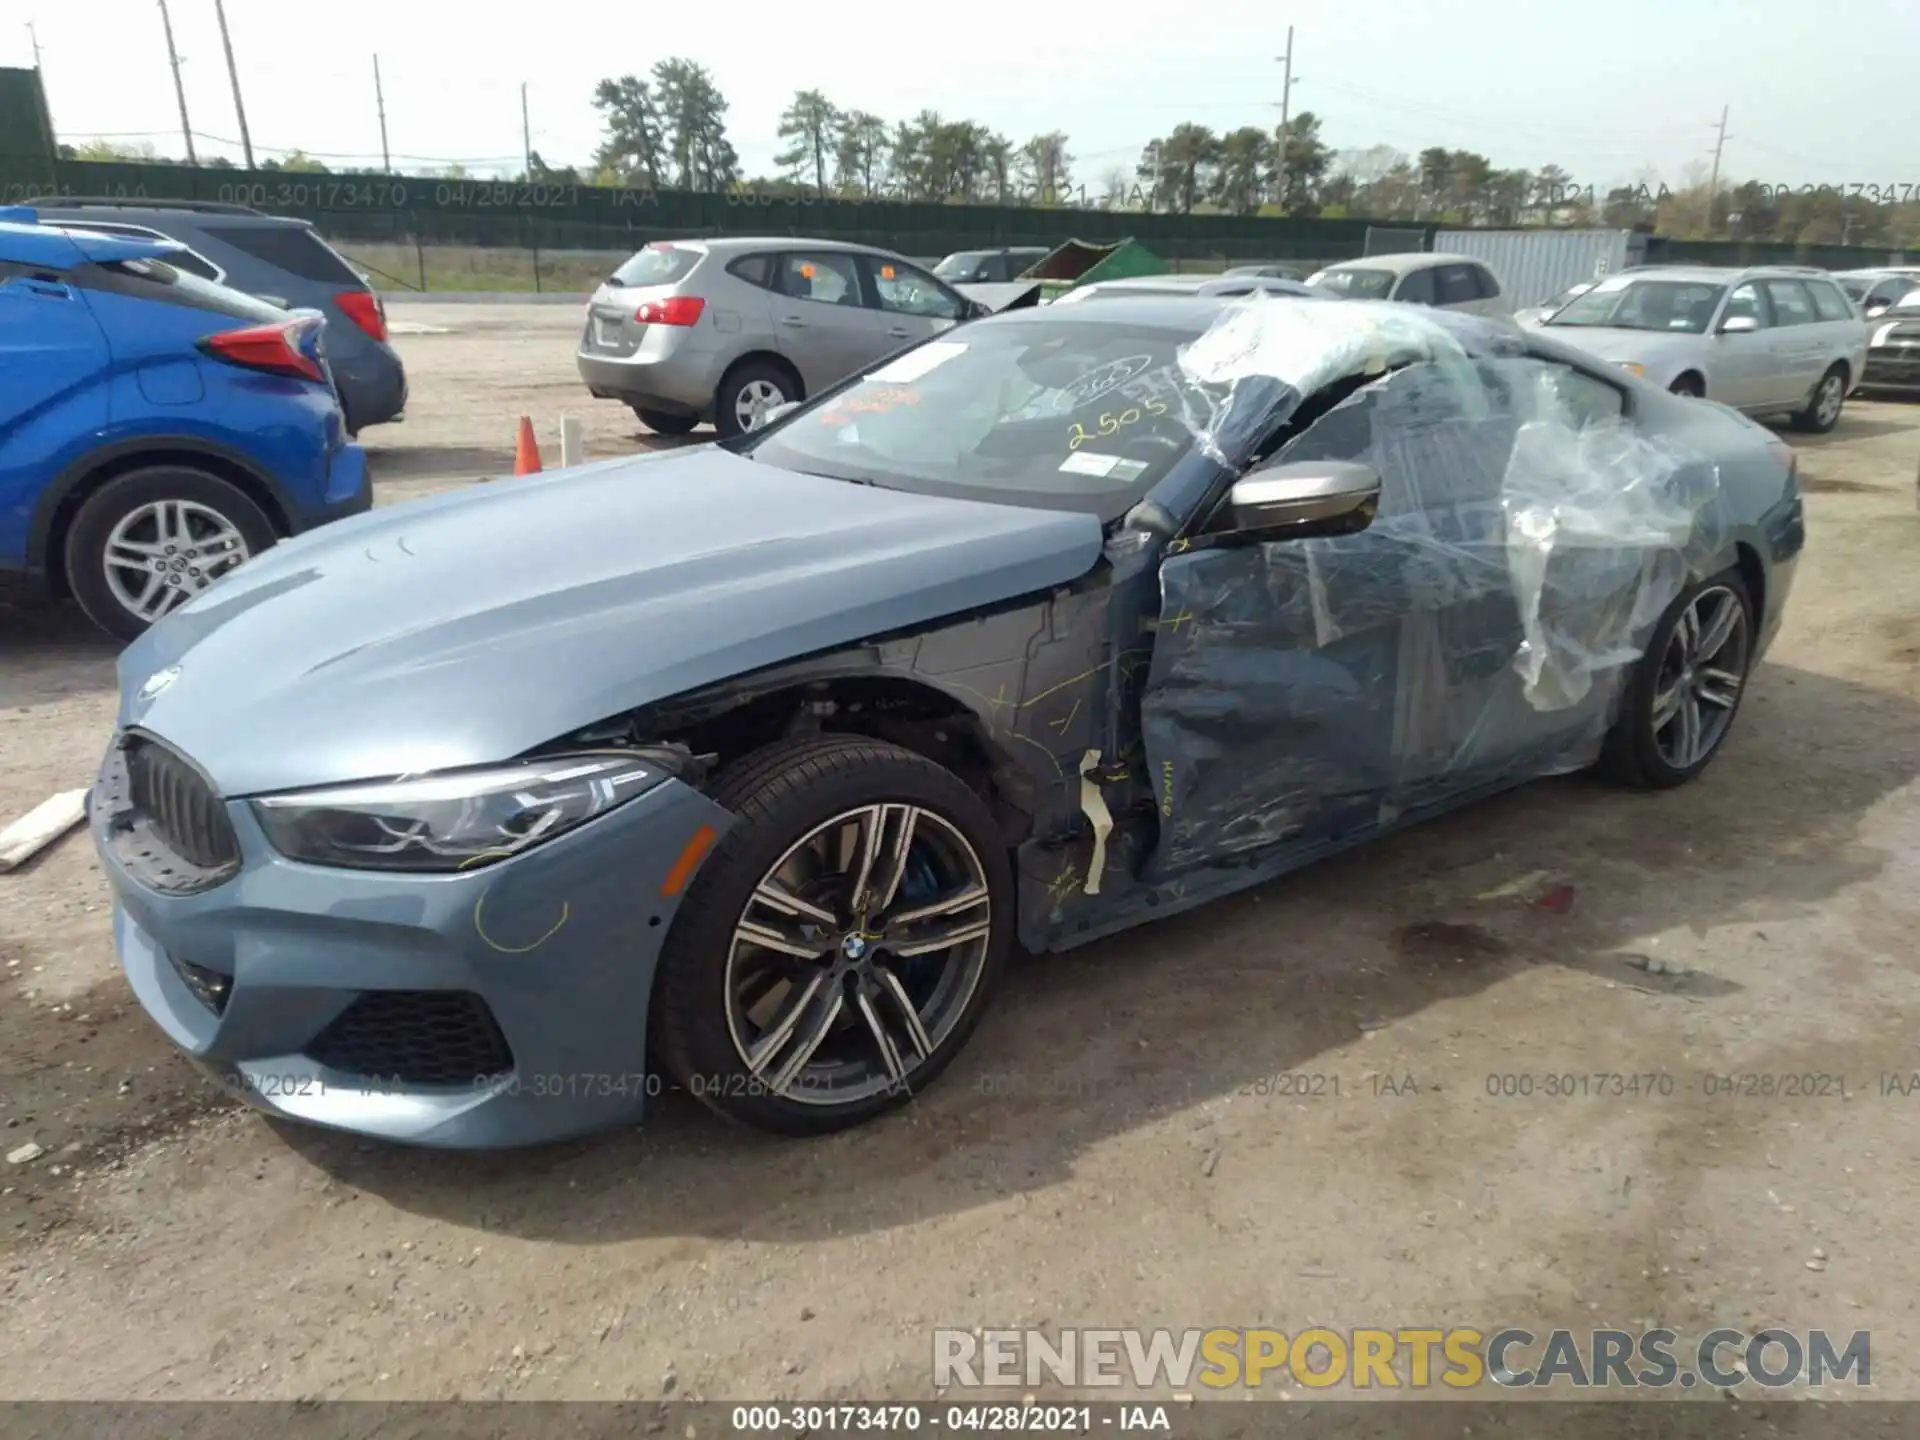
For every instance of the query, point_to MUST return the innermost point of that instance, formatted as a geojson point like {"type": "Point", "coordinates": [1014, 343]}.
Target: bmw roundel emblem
{"type": "Point", "coordinates": [158, 681]}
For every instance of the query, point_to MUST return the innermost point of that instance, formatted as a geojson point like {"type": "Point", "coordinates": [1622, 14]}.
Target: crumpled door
{"type": "Point", "coordinates": [1304, 690]}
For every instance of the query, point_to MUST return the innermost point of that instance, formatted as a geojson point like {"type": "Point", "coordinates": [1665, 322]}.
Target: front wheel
{"type": "Point", "coordinates": [148, 541]}
{"type": "Point", "coordinates": [837, 950]}
{"type": "Point", "coordinates": [1688, 387]}
{"type": "Point", "coordinates": [1685, 691]}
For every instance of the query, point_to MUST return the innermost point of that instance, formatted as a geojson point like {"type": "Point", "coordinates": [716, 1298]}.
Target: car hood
{"type": "Point", "coordinates": [1642, 347]}
{"type": "Point", "coordinates": [469, 627]}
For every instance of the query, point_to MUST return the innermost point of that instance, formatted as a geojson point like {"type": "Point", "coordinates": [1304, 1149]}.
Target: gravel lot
{"type": "Point", "coordinates": [1112, 1148]}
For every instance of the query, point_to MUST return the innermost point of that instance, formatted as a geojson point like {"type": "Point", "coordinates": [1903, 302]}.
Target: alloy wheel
{"type": "Point", "coordinates": [857, 954]}
{"type": "Point", "coordinates": [1701, 676]}
{"type": "Point", "coordinates": [1826, 407]}
{"type": "Point", "coordinates": [755, 399]}
{"type": "Point", "coordinates": [162, 554]}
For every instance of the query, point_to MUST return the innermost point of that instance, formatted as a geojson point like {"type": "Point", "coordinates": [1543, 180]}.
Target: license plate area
{"type": "Point", "coordinates": [606, 333]}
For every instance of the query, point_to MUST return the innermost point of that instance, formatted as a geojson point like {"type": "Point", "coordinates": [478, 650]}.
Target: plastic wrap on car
{"type": "Point", "coordinates": [1475, 633]}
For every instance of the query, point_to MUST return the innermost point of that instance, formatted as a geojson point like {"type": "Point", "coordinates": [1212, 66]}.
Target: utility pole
{"type": "Point", "coordinates": [1713, 184]}
{"type": "Point", "coordinates": [179, 90]}
{"type": "Point", "coordinates": [35, 38]}
{"type": "Point", "coordinates": [380, 104]}
{"type": "Point", "coordinates": [1286, 97]}
{"type": "Point", "coordinates": [233, 74]}
{"type": "Point", "coordinates": [526, 130]}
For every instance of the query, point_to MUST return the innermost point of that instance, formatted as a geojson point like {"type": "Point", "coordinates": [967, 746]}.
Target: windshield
{"type": "Point", "coordinates": [1856, 289]}
{"type": "Point", "coordinates": [1675, 306]}
{"type": "Point", "coordinates": [1355, 284]}
{"type": "Point", "coordinates": [1057, 415]}
{"type": "Point", "coordinates": [961, 265]}
{"type": "Point", "coordinates": [657, 265]}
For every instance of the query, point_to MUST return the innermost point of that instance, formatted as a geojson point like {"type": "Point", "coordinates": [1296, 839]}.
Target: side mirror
{"type": "Point", "coordinates": [1739, 325]}
{"type": "Point", "coordinates": [1309, 493]}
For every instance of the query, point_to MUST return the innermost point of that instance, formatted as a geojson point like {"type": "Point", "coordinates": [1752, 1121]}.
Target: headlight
{"type": "Point", "coordinates": [454, 819]}
{"type": "Point", "coordinates": [1633, 366]}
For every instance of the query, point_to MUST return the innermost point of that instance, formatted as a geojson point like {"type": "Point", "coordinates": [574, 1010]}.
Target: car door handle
{"type": "Point", "coordinates": [794, 320]}
{"type": "Point", "coordinates": [900, 332]}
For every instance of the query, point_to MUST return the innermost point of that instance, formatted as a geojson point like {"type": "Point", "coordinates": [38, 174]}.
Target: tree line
{"type": "Point", "coordinates": [668, 130]}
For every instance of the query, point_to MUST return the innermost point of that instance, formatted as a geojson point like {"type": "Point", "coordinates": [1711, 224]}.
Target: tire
{"type": "Point", "coordinates": [740, 383]}
{"type": "Point", "coordinates": [1689, 386]}
{"type": "Point", "coordinates": [1823, 409]}
{"type": "Point", "coordinates": [1648, 754]}
{"type": "Point", "coordinates": [704, 997]}
{"type": "Point", "coordinates": [132, 501]}
{"type": "Point", "coordinates": [662, 423]}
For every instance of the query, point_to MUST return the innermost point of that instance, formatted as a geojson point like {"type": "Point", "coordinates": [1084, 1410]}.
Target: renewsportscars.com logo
{"type": "Point", "coordinates": [1399, 1358]}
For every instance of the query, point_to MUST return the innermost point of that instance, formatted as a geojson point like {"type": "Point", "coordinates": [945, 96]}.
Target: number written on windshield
{"type": "Point", "coordinates": [1112, 421]}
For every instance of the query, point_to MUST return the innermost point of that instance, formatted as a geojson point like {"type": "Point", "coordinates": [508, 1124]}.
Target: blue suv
{"type": "Point", "coordinates": [156, 428]}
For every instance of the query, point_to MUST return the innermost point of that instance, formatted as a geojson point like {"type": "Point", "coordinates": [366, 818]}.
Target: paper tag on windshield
{"type": "Point", "coordinates": [1085, 462]}
{"type": "Point", "coordinates": [916, 363]}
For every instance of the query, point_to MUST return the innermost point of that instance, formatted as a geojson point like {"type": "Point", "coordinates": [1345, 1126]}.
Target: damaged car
{"type": "Point", "coordinates": [465, 822]}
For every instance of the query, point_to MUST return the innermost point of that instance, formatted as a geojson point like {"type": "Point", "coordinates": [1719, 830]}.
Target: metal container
{"type": "Point", "coordinates": [1536, 265]}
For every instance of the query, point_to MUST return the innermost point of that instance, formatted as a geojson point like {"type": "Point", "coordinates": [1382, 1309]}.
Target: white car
{"type": "Point", "coordinates": [1450, 282]}
{"type": "Point", "coordinates": [1768, 340]}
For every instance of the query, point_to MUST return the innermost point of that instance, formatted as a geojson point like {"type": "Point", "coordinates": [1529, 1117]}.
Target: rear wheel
{"type": "Point", "coordinates": [837, 950]}
{"type": "Point", "coordinates": [1685, 691]}
{"type": "Point", "coordinates": [748, 393]}
{"type": "Point", "coordinates": [1823, 410]}
{"type": "Point", "coordinates": [147, 542]}
{"type": "Point", "coordinates": [662, 422]}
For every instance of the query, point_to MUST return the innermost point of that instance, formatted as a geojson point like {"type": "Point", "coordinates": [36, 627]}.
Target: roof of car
{"type": "Point", "coordinates": [1194, 284]}
{"type": "Point", "coordinates": [67, 207]}
{"type": "Point", "coordinates": [1400, 264]}
{"type": "Point", "coordinates": [1722, 274]}
{"type": "Point", "coordinates": [740, 244]}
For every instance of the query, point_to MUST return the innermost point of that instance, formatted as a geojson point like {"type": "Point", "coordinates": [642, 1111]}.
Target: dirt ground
{"type": "Point", "coordinates": [1111, 1149]}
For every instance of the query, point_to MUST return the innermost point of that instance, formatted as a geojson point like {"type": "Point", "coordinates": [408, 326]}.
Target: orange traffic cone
{"type": "Point", "coordinates": [526, 454]}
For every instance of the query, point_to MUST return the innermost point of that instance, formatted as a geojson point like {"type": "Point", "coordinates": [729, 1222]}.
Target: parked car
{"type": "Point", "coordinates": [751, 761]}
{"type": "Point", "coordinates": [1876, 291]}
{"type": "Point", "coordinates": [1893, 346]}
{"type": "Point", "coordinates": [1269, 272]}
{"type": "Point", "coordinates": [688, 331]}
{"type": "Point", "coordinates": [1534, 314]}
{"type": "Point", "coordinates": [990, 267]}
{"type": "Point", "coordinates": [158, 429]}
{"type": "Point", "coordinates": [1450, 282]}
{"type": "Point", "coordinates": [1220, 286]}
{"type": "Point", "coordinates": [282, 261]}
{"type": "Point", "coordinates": [1768, 340]}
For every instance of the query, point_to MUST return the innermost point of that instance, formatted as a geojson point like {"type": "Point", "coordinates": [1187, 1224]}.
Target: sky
{"type": "Point", "coordinates": [1633, 96]}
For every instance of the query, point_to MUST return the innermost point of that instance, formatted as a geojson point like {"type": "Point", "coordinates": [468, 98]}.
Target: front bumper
{"type": "Point", "coordinates": [535, 973]}
{"type": "Point", "coordinates": [1896, 368]}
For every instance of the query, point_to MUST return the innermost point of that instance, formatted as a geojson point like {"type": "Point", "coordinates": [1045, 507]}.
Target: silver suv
{"type": "Point", "coordinates": [1766, 340]}
{"type": "Point", "coordinates": [727, 330]}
